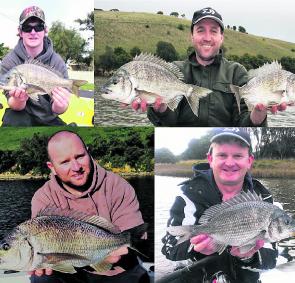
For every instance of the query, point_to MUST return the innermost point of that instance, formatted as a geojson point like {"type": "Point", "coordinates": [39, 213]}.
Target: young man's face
{"type": "Point", "coordinates": [230, 163]}
{"type": "Point", "coordinates": [207, 39]}
{"type": "Point", "coordinates": [70, 161]}
{"type": "Point", "coordinates": [33, 38]}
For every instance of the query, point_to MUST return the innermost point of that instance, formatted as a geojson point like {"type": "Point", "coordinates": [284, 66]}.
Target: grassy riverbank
{"type": "Point", "coordinates": [264, 168]}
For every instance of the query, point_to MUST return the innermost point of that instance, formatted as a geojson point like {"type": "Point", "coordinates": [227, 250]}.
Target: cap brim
{"type": "Point", "coordinates": [210, 17]}
{"type": "Point", "coordinates": [29, 18]}
{"type": "Point", "coordinates": [230, 135]}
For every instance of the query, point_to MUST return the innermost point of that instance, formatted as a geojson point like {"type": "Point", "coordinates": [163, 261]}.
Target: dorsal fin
{"type": "Point", "coordinates": [39, 63]}
{"type": "Point", "coordinates": [157, 60]}
{"type": "Point", "coordinates": [265, 69]}
{"type": "Point", "coordinates": [217, 209]}
{"type": "Point", "coordinates": [80, 216]}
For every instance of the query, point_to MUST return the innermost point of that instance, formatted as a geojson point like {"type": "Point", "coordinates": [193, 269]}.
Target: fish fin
{"type": "Point", "coordinates": [146, 95]}
{"type": "Point", "coordinates": [219, 247]}
{"type": "Point", "coordinates": [236, 90]}
{"type": "Point", "coordinates": [173, 68]}
{"type": "Point", "coordinates": [76, 85]}
{"type": "Point", "coordinates": [48, 67]}
{"type": "Point", "coordinates": [101, 266]}
{"type": "Point", "coordinates": [34, 96]}
{"type": "Point", "coordinates": [64, 268]}
{"type": "Point", "coordinates": [53, 258]}
{"type": "Point", "coordinates": [194, 95]}
{"type": "Point", "coordinates": [183, 232]}
{"type": "Point", "coordinates": [80, 216]}
{"type": "Point", "coordinates": [218, 208]}
{"type": "Point", "coordinates": [172, 105]}
{"type": "Point", "coordinates": [265, 69]}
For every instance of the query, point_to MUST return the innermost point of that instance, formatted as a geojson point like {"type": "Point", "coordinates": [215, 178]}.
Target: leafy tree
{"type": "Point", "coordinates": [67, 42]}
{"type": "Point", "coordinates": [167, 51]}
{"type": "Point", "coordinates": [183, 16]}
{"type": "Point", "coordinates": [7, 160]}
{"type": "Point", "coordinates": [164, 155]}
{"type": "Point", "coordinates": [197, 148]}
{"type": "Point", "coordinates": [242, 29]}
{"type": "Point", "coordinates": [32, 155]}
{"type": "Point", "coordinates": [234, 28]}
{"type": "Point", "coordinates": [88, 23]}
{"type": "Point", "coordinates": [288, 63]}
{"type": "Point", "coordinates": [175, 14]}
{"type": "Point", "coordinates": [3, 50]}
{"type": "Point", "coordinates": [121, 57]}
{"type": "Point", "coordinates": [107, 60]}
{"type": "Point", "coordinates": [160, 13]}
{"type": "Point", "coordinates": [135, 51]}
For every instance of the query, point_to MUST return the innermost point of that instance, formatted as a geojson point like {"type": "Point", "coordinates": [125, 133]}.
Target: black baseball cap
{"type": "Point", "coordinates": [238, 133]}
{"type": "Point", "coordinates": [207, 13]}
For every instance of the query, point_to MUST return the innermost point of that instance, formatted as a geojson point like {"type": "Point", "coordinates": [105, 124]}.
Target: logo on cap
{"type": "Point", "coordinates": [208, 11]}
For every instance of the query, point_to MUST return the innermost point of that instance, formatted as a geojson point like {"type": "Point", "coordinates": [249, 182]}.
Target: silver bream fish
{"type": "Point", "coordinates": [149, 77]}
{"type": "Point", "coordinates": [37, 79]}
{"type": "Point", "coordinates": [240, 222]}
{"type": "Point", "coordinates": [61, 243]}
{"type": "Point", "coordinates": [269, 85]}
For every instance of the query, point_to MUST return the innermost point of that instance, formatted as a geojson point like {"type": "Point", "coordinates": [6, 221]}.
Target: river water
{"type": "Point", "coordinates": [15, 205]}
{"type": "Point", "coordinates": [166, 189]}
{"type": "Point", "coordinates": [110, 113]}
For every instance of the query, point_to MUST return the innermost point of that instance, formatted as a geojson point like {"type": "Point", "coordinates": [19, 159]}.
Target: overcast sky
{"type": "Point", "coordinates": [273, 19]}
{"type": "Point", "coordinates": [65, 11]}
{"type": "Point", "coordinates": [177, 139]}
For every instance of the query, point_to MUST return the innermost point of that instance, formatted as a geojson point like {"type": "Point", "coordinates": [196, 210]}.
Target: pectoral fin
{"type": "Point", "coordinates": [101, 266]}
{"type": "Point", "coordinates": [53, 258]}
{"type": "Point", "coordinates": [174, 103]}
{"type": "Point", "coordinates": [64, 268]}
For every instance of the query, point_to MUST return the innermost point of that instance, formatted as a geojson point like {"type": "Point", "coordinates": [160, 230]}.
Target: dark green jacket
{"type": "Point", "coordinates": [219, 108]}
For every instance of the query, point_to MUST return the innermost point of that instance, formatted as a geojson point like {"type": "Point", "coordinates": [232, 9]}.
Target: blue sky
{"type": "Point", "coordinates": [273, 19]}
{"type": "Point", "coordinates": [65, 11]}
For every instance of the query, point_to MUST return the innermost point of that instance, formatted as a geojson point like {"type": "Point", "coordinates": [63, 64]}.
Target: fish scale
{"type": "Point", "coordinates": [150, 78]}
{"type": "Point", "coordinates": [240, 222]}
{"type": "Point", "coordinates": [61, 243]}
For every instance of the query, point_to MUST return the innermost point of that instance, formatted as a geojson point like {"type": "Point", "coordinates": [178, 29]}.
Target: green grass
{"type": "Point", "coordinates": [87, 86]}
{"type": "Point", "coordinates": [10, 137]}
{"type": "Point", "coordinates": [144, 30]}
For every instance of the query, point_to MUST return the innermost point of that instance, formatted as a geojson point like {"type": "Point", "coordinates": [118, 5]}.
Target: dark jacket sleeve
{"type": "Point", "coordinates": [170, 248]}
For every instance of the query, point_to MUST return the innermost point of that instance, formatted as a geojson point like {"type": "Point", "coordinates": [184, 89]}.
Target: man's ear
{"type": "Point", "coordinates": [51, 167]}
{"type": "Point", "coordinates": [209, 158]}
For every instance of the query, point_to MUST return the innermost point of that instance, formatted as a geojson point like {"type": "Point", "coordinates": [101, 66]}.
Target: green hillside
{"type": "Point", "coordinates": [144, 30]}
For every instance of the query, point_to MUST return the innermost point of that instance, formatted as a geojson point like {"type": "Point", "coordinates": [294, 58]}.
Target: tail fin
{"type": "Point", "coordinates": [183, 232]}
{"type": "Point", "coordinates": [77, 84]}
{"type": "Point", "coordinates": [194, 96]}
{"type": "Point", "coordinates": [236, 90]}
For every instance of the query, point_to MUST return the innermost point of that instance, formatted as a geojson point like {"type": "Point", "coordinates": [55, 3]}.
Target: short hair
{"type": "Point", "coordinates": [228, 140]}
{"type": "Point", "coordinates": [64, 131]}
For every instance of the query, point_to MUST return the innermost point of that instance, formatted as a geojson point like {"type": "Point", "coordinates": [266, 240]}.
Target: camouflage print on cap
{"type": "Point", "coordinates": [32, 11]}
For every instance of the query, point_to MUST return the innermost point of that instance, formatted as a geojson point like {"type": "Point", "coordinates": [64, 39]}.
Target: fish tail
{"type": "Point", "coordinates": [236, 90]}
{"type": "Point", "coordinates": [193, 97]}
{"type": "Point", "coordinates": [76, 85]}
{"type": "Point", "coordinates": [183, 232]}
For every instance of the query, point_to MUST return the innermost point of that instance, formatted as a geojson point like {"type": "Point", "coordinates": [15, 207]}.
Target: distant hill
{"type": "Point", "coordinates": [144, 30]}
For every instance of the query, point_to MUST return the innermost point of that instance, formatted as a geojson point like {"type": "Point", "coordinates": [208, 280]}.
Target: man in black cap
{"type": "Point", "coordinates": [206, 67]}
{"type": "Point", "coordinates": [225, 176]}
{"type": "Point", "coordinates": [34, 44]}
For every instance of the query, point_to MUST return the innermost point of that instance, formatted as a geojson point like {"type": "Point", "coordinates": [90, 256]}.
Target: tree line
{"type": "Point", "coordinates": [113, 149]}
{"type": "Point", "coordinates": [268, 143]}
{"type": "Point", "coordinates": [113, 59]}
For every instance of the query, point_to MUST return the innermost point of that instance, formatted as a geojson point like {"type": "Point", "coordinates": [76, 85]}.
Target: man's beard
{"type": "Point", "coordinates": [82, 188]}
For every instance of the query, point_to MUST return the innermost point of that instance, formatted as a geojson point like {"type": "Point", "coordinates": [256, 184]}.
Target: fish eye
{"type": "Point", "coordinates": [287, 221]}
{"type": "Point", "coordinates": [5, 246]}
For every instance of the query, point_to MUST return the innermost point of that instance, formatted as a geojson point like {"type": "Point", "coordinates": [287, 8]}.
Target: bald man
{"type": "Point", "coordinates": [77, 183]}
